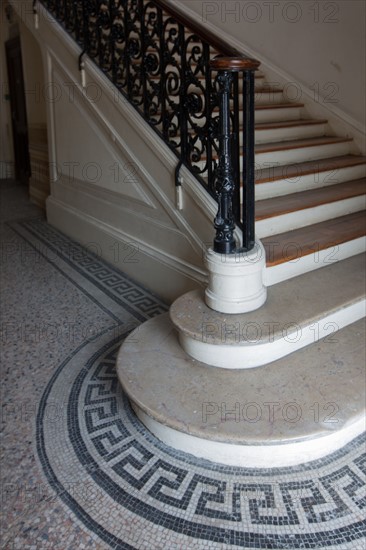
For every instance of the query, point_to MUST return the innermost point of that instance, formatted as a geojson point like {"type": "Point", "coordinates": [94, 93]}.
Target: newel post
{"type": "Point", "coordinates": [224, 242]}
{"type": "Point", "coordinates": [235, 272]}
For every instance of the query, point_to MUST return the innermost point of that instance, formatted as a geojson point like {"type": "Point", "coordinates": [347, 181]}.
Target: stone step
{"type": "Point", "coordinates": [277, 112]}
{"type": "Point", "coordinates": [259, 79]}
{"type": "Point", "coordinates": [263, 95]}
{"type": "Point", "coordinates": [155, 49]}
{"type": "Point", "coordinates": [296, 151]}
{"type": "Point", "coordinates": [313, 247]}
{"type": "Point", "coordinates": [288, 130]}
{"type": "Point", "coordinates": [289, 152]}
{"type": "Point", "coordinates": [283, 115]}
{"type": "Point", "coordinates": [266, 96]}
{"type": "Point", "coordinates": [294, 410]}
{"type": "Point", "coordinates": [297, 310]}
{"type": "Point", "coordinates": [281, 180]}
{"type": "Point", "coordinates": [280, 214]}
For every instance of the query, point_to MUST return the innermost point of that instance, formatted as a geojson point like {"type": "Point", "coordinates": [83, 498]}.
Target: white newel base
{"type": "Point", "coordinates": [236, 280]}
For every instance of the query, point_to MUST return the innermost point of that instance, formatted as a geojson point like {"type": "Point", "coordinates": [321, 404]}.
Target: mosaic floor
{"type": "Point", "coordinates": [80, 471]}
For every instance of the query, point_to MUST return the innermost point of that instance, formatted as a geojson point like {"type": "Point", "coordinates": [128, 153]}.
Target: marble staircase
{"type": "Point", "coordinates": [279, 380]}
{"type": "Point", "coordinates": [191, 380]}
{"type": "Point", "coordinates": [283, 384]}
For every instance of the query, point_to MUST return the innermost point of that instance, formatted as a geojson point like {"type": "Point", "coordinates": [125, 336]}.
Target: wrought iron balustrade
{"type": "Point", "coordinates": [159, 59]}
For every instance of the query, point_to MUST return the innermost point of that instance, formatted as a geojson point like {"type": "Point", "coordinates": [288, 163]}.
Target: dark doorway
{"type": "Point", "coordinates": [18, 109]}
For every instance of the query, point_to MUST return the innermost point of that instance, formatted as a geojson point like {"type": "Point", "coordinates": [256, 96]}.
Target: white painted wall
{"type": "Point", "coordinates": [320, 45]}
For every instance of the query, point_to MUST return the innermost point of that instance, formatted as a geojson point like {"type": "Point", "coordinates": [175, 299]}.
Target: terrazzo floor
{"type": "Point", "coordinates": [80, 471]}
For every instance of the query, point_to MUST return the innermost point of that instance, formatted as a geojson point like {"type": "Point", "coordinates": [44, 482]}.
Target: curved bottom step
{"type": "Point", "coordinates": [294, 410]}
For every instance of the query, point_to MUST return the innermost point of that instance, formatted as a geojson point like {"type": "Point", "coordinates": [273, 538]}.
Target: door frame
{"type": "Point", "coordinates": [18, 108]}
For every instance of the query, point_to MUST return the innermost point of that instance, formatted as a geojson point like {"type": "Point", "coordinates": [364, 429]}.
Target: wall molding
{"type": "Point", "coordinates": [154, 268]}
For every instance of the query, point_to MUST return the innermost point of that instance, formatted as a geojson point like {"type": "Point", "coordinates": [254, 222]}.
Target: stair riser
{"type": "Point", "coordinates": [226, 356]}
{"type": "Point", "coordinates": [259, 83]}
{"type": "Point", "coordinates": [154, 49]}
{"type": "Point", "coordinates": [283, 134]}
{"type": "Point", "coordinates": [302, 154]}
{"type": "Point", "coordinates": [292, 156]}
{"type": "Point", "coordinates": [264, 98]}
{"type": "Point", "coordinates": [308, 216]}
{"type": "Point", "coordinates": [278, 134]}
{"type": "Point", "coordinates": [253, 456]}
{"type": "Point", "coordinates": [309, 181]}
{"type": "Point", "coordinates": [300, 265]}
{"type": "Point", "coordinates": [267, 115]}
{"type": "Point", "coordinates": [260, 97]}
{"type": "Point", "coordinates": [278, 115]}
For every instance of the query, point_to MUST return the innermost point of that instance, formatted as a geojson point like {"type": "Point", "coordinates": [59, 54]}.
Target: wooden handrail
{"type": "Point", "coordinates": [205, 34]}
{"type": "Point", "coordinates": [233, 64]}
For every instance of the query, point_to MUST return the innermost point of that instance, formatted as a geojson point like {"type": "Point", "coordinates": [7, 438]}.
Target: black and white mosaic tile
{"type": "Point", "coordinates": [133, 492]}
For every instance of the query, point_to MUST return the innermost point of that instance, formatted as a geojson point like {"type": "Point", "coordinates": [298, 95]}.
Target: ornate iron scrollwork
{"type": "Point", "coordinates": [163, 68]}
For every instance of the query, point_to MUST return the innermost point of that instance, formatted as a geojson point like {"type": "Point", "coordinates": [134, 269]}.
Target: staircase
{"type": "Point", "coordinates": [309, 214]}
{"type": "Point", "coordinates": [197, 365]}
{"type": "Point", "coordinates": [310, 186]}
{"type": "Point", "coordinates": [310, 190]}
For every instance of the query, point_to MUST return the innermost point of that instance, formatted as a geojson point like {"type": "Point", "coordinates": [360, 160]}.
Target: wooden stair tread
{"type": "Point", "coordinates": [289, 124]}
{"type": "Point", "coordinates": [299, 143]}
{"type": "Point", "coordinates": [283, 124]}
{"type": "Point", "coordinates": [264, 106]}
{"type": "Point", "coordinates": [296, 144]}
{"type": "Point", "coordinates": [268, 90]}
{"type": "Point", "coordinates": [278, 206]}
{"type": "Point", "coordinates": [310, 167]}
{"type": "Point", "coordinates": [267, 106]}
{"type": "Point", "coordinates": [307, 240]}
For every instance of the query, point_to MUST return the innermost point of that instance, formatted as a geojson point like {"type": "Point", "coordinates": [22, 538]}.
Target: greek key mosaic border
{"type": "Point", "coordinates": [115, 284]}
{"type": "Point", "coordinates": [313, 505]}
{"type": "Point", "coordinates": [187, 495]}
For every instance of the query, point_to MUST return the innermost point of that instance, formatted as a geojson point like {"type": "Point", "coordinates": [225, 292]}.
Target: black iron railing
{"type": "Point", "coordinates": [159, 59]}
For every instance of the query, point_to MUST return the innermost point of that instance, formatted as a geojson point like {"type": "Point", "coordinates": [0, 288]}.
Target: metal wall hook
{"type": "Point", "coordinates": [82, 69]}
{"type": "Point", "coordinates": [35, 14]}
{"type": "Point", "coordinates": [178, 187]}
